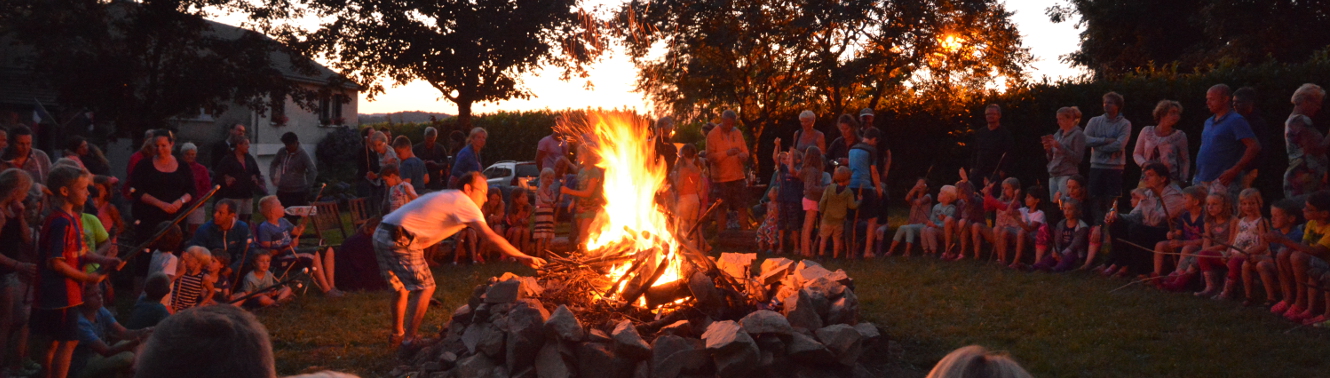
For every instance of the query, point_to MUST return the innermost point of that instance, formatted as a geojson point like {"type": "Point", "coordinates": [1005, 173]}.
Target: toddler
{"type": "Point", "coordinates": [399, 191]}
{"type": "Point", "coordinates": [1005, 207]}
{"type": "Point", "coordinates": [837, 200]}
{"type": "Point", "coordinates": [547, 197]}
{"type": "Point", "coordinates": [940, 220]}
{"type": "Point", "coordinates": [1186, 239]}
{"type": "Point", "coordinates": [259, 278]}
{"type": "Point", "coordinates": [1285, 220]}
{"type": "Point", "coordinates": [189, 289]}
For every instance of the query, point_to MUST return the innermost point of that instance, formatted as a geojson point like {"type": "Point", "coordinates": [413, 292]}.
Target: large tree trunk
{"type": "Point", "coordinates": [464, 115]}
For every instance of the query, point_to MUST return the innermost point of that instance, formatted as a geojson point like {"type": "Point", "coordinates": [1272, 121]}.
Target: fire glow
{"type": "Point", "coordinates": [632, 222]}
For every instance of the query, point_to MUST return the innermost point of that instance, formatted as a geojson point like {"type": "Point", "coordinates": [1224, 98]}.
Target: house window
{"type": "Point", "coordinates": [279, 110]}
{"type": "Point", "coordinates": [330, 109]}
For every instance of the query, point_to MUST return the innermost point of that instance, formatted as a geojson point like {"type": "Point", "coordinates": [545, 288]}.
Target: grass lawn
{"type": "Point", "coordinates": [1055, 325]}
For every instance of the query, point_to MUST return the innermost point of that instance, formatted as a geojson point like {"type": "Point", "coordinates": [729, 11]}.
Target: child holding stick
{"type": "Point", "coordinates": [1306, 262]}
{"type": "Point", "coordinates": [1070, 239]}
{"type": "Point", "coordinates": [546, 198]}
{"type": "Point", "coordinates": [1249, 249]}
{"type": "Point", "coordinates": [1185, 240]}
{"type": "Point", "coordinates": [1285, 219]}
{"type": "Point", "coordinates": [1218, 228]}
{"type": "Point", "coordinates": [518, 233]}
{"type": "Point", "coordinates": [1005, 207]}
{"type": "Point", "coordinates": [1031, 224]}
{"type": "Point", "coordinates": [919, 201]}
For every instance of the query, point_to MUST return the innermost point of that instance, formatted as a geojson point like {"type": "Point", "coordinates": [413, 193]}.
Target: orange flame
{"type": "Point", "coordinates": [633, 176]}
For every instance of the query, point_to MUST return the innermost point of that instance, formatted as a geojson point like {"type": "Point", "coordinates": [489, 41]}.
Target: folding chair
{"type": "Point", "coordinates": [360, 212]}
{"type": "Point", "coordinates": [326, 218]}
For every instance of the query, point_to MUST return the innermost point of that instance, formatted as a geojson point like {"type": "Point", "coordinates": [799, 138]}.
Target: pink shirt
{"type": "Point", "coordinates": [727, 167]}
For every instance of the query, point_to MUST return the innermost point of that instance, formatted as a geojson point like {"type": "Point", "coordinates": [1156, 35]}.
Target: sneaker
{"type": "Point", "coordinates": [1314, 320]}
{"type": "Point", "coordinates": [1280, 307]}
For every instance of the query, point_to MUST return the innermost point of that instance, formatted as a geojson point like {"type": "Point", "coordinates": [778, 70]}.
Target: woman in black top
{"type": "Point", "coordinates": [163, 186]}
{"type": "Point", "coordinates": [238, 174]}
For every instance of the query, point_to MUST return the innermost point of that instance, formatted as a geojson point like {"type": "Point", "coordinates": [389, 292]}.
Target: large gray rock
{"type": "Point", "coordinates": [737, 362]}
{"type": "Point", "coordinates": [598, 360]}
{"type": "Point", "coordinates": [503, 292]}
{"type": "Point", "coordinates": [725, 336]}
{"type": "Point", "coordinates": [805, 349]}
{"type": "Point", "coordinates": [629, 343]}
{"type": "Point", "coordinates": [483, 338]}
{"type": "Point", "coordinates": [825, 286]}
{"type": "Point", "coordinates": [550, 362]}
{"type": "Point", "coordinates": [672, 355]}
{"type": "Point", "coordinates": [844, 341]}
{"type": "Point", "coordinates": [564, 325]}
{"type": "Point", "coordinates": [526, 334]}
{"type": "Point", "coordinates": [844, 310]}
{"type": "Point", "coordinates": [736, 265]}
{"type": "Point", "coordinates": [477, 366]}
{"type": "Point", "coordinates": [463, 314]}
{"type": "Point", "coordinates": [679, 328]}
{"type": "Point", "coordinates": [705, 293]}
{"type": "Point", "coordinates": [868, 331]}
{"type": "Point", "coordinates": [800, 311]}
{"type": "Point", "coordinates": [766, 321]}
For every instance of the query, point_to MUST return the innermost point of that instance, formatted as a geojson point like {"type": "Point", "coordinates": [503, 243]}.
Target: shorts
{"type": "Point", "coordinates": [869, 207]}
{"type": "Point", "coordinates": [401, 263]}
{"type": "Point", "coordinates": [1041, 236]}
{"type": "Point", "coordinates": [734, 194]}
{"type": "Point", "coordinates": [809, 205]}
{"type": "Point", "coordinates": [791, 217]}
{"type": "Point", "coordinates": [60, 324]}
{"type": "Point", "coordinates": [1105, 183]}
{"type": "Point", "coordinates": [1317, 263]}
{"type": "Point", "coordinates": [197, 217]}
{"type": "Point", "coordinates": [836, 230]}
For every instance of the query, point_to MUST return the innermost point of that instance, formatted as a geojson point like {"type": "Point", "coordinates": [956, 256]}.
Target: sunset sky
{"type": "Point", "coordinates": [613, 77]}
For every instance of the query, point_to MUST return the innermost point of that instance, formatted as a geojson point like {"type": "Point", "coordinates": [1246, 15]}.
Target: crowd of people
{"type": "Point", "coordinates": [1192, 223]}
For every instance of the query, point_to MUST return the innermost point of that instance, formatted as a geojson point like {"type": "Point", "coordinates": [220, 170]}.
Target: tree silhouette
{"type": "Point", "coordinates": [142, 63]}
{"type": "Point", "coordinates": [471, 51]}
{"type": "Point", "coordinates": [768, 59]}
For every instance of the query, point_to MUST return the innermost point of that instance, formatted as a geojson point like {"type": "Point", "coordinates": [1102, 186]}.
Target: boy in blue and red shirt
{"type": "Point", "coordinates": [61, 254]}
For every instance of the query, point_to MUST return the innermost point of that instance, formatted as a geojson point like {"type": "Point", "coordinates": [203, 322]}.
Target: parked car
{"type": "Point", "coordinates": [508, 174]}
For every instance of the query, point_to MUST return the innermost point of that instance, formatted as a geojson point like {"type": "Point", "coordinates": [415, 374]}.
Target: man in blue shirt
{"type": "Point", "coordinates": [1227, 144]}
{"type": "Point", "coordinates": [225, 232]}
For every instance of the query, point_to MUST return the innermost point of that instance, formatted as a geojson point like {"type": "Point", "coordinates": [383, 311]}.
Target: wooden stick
{"type": "Point", "coordinates": [266, 289]}
{"type": "Point", "coordinates": [181, 215]}
{"type": "Point", "coordinates": [1132, 283]}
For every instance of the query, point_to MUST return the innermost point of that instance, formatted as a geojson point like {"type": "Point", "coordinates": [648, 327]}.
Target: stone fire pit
{"type": "Point", "coordinates": [792, 319]}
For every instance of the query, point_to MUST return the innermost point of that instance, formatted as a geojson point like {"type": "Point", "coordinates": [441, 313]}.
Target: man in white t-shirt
{"type": "Point", "coordinates": [402, 237]}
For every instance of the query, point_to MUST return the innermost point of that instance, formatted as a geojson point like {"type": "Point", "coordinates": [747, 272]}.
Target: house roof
{"type": "Point", "coordinates": [19, 86]}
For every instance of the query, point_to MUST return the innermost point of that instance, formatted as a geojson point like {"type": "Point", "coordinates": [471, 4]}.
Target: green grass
{"type": "Point", "coordinates": [1065, 325]}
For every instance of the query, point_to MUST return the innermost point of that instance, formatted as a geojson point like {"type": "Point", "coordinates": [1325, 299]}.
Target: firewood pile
{"type": "Point", "coordinates": [722, 319]}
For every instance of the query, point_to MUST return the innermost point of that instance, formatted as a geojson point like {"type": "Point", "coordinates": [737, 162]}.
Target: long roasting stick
{"type": "Point", "coordinates": [179, 217]}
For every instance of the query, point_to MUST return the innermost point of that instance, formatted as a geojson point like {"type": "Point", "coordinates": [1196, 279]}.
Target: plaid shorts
{"type": "Point", "coordinates": [401, 263]}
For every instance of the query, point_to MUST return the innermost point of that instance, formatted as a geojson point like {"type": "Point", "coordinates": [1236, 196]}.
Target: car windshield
{"type": "Point", "coordinates": [497, 172]}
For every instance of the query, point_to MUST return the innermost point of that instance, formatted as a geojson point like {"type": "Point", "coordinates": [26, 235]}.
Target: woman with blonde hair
{"type": "Point", "coordinates": [1164, 143]}
{"type": "Point", "coordinates": [468, 158]}
{"type": "Point", "coordinates": [977, 362]}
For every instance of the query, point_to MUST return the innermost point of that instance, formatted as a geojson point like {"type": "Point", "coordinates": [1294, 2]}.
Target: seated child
{"type": "Point", "coordinates": [970, 211]}
{"type": "Point", "coordinates": [219, 278]}
{"type": "Point", "coordinates": [837, 201]}
{"type": "Point", "coordinates": [1248, 251]}
{"type": "Point", "coordinates": [164, 259]}
{"type": "Point", "coordinates": [1031, 224]}
{"type": "Point", "coordinates": [920, 202]}
{"type": "Point", "coordinates": [547, 197]}
{"type": "Point", "coordinates": [149, 310]}
{"type": "Point", "coordinates": [189, 289]}
{"type": "Point", "coordinates": [1286, 220]}
{"type": "Point", "coordinates": [940, 220]}
{"type": "Point", "coordinates": [278, 236]}
{"type": "Point", "coordinates": [1185, 240]}
{"type": "Point", "coordinates": [399, 192]}
{"type": "Point", "coordinates": [1005, 208]}
{"type": "Point", "coordinates": [519, 216]}
{"type": "Point", "coordinates": [1115, 267]}
{"type": "Point", "coordinates": [1071, 239]}
{"type": "Point", "coordinates": [259, 278]}
{"type": "Point", "coordinates": [1214, 255]}
{"type": "Point", "coordinates": [97, 354]}
{"type": "Point", "coordinates": [495, 216]}
{"type": "Point", "coordinates": [1307, 260]}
